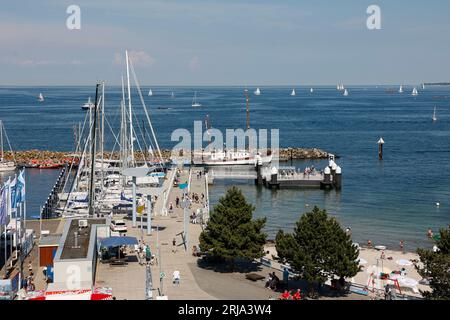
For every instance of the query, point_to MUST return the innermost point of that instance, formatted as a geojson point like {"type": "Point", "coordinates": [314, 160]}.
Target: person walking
{"type": "Point", "coordinates": [402, 246]}
{"type": "Point", "coordinates": [174, 245]}
{"type": "Point", "coordinates": [176, 277]}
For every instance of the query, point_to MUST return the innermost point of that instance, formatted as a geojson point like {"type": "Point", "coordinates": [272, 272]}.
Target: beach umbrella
{"type": "Point", "coordinates": [404, 262]}
{"type": "Point", "coordinates": [407, 282]}
{"type": "Point", "coordinates": [118, 241]}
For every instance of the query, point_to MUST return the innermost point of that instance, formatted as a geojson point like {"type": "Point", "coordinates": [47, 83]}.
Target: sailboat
{"type": "Point", "coordinates": [400, 90]}
{"type": "Point", "coordinates": [423, 86]}
{"type": "Point", "coordinates": [172, 95]}
{"type": "Point", "coordinates": [311, 90]}
{"type": "Point", "coordinates": [194, 101]}
{"type": "Point", "coordinates": [150, 92]}
{"type": "Point", "coordinates": [257, 92]}
{"type": "Point", "coordinates": [434, 118]}
{"type": "Point", "coordinates": [41, 97]}
{"type": "Point", "coordinates": [88, 105]}
{"type": "Point", "coordinates": [345, 92]}
{"type": "Point", "coordinates": [5, 165]}
{"type": "Point", "coordinates": [293, 92]}
{"type": "Point", "coordinates": [415, 92]}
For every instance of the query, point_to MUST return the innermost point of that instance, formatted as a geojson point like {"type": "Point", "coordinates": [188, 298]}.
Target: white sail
{"type": "Point", "coordinates": [293, 92]}
{"type": "Point", "coordinates": [345, 93]}
{"type": "Point", "coordinates": [172, 95]}
{"type": "Point", "coordinates": [311, 90]}
{"type": "Point", "coordinates": [257, 92]}
{"type": "Point", "coordinates": [400, 90]}
{"type": "Point", "coordinates": [41, 97]}
{"type": "Point", "coordinates": [194, 101]}
{"type": "Point", "coordinates": [434, 118]}
{"type": "Point", "coordinates": [150, 92]}
{"type": "Point", "coordinates": [423, 86]}
{"type": "Point", "coordinates": [415, 92]}
{"type": "Point", "coordinates": [5, 165]}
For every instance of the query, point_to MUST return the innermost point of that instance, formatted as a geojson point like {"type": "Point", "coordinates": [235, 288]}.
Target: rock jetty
{"type": "Point", "coordinates": [37, 158]}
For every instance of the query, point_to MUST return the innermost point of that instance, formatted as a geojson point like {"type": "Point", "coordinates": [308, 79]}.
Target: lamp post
{"type": "Point", "coordinates": [135, 173]}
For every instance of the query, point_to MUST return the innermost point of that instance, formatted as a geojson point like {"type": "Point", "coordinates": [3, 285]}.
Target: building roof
{"type": "Point", "coordinates": [50, 241]}
{"type": "Point", "coordinates": [77, 247]}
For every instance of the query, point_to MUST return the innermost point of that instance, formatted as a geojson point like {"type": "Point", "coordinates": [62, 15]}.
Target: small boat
{"type": "Point", "coordinates": [400, 90]}
{"type": "Point", "coordinates": [415, 92]}
{"type": "Point", "coordinates": [434, 118]}
{"type": "Point", "coordinates": [172, 95]}
{"type": "Point", "coordinates": [150, 92]}
{"type": "Point", "coordinates": [345, 93]}
{"type": "Point", "coordinates": [41, 97]}
{"type": "Point", "coordinates": [195, 104]}
{"type": "Point", "coordinates": [257, 92]}
{"type": "Point", "coordinates": [88, 105]}
{"type": "Point", "coordinates": [50, 165]}
{"type": "Point", "coordinates": [311, 90]}
{"type": "Point", "coordinates": [5, 165]}
{"type": "Point", "coordinates": [293, 92]}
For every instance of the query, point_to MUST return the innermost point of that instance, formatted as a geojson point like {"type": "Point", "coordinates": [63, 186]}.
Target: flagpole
{"type": "Point", "coordinates": [24, 203]}
{"type": "Point", "coordinates": [10, 217]}
{"type": "Point", "coordinates": [6, 255]}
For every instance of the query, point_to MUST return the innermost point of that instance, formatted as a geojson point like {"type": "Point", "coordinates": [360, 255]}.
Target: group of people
{"type": "Point", "coordinates": [272, 281]}
{"type": "Point", "coordinates": [194, 217]}
{"type": "Point", "coordinates": [28, 282]}
{"type": "Point", "coordinates": [286, 295]}
{"type": "Point", "coordinates": [145, 254]}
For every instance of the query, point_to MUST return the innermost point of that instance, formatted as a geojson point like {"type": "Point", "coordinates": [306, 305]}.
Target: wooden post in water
{"type": "Point", "coordinates": [380, 149]}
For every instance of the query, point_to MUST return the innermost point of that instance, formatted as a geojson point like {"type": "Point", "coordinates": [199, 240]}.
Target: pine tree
{"type": "Point", "coordinates": [231, 233]}
{"type": "Point", "coordinates": [435, 266]}
{"type": "Point", "coordinates": [318, 249]}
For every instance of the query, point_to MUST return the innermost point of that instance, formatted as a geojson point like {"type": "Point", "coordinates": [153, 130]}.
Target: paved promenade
{"type": "Point", "coordinates": [128, 282]}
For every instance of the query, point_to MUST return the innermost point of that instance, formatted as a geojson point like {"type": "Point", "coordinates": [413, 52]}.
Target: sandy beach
{"type": "Point", "coordinates": [373, 263]}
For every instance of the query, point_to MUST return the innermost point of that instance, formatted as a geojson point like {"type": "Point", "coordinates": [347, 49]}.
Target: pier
{"type": "Point", "coordinates": [49, 206]}
{"type": "Point", "coordinates": [282, 177]}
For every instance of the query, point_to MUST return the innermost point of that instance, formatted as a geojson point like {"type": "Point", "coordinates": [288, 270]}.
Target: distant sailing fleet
{"type": "Point", "coordinates": [196, 104]}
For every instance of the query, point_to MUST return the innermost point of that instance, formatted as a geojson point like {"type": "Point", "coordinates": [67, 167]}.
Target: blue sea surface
{"type": "Point", "coordinates": [384, 201]}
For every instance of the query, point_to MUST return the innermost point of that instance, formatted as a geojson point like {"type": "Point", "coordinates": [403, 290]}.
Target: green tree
{"type": "Point", "coordinates": [435, 266]}
{"type": "Point", "coordinates": [231, 232]}
{"type": "Point", "coordinates": [318, 249]}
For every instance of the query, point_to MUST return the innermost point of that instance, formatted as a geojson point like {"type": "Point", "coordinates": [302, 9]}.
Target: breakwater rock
{"type": "Point", "coordinates": [37, 158]}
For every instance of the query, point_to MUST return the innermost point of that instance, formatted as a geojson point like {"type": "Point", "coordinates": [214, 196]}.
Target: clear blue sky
{"type": "Point", "coordinates": [226, 42]}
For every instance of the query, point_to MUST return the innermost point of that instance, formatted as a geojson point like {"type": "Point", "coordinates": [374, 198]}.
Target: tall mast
{"type": "Point", "coordinates": [1, 136]}
{"type": "Point", "coordinates": [247, 108]}
{"type": "Point", "coordinates": [248, 116]}
{"type": "Point", "coordinates": [93, 138]}
{"type": "Point", "coordinates": [129, 107]}
{"type": "Point", "coordinates": [103, 130]}
{"type": "Point", "coordinates": [123, 132]}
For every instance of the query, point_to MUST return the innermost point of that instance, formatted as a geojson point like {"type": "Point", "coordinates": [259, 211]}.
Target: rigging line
{"type": "Point", "coordinates": [78, 145]}
{"type": "Point", "coordinates": [9, 144]}
{"type": "Point", "coordinates": [145, 108]}
{"type": "Point", "coordinates": [134, 130]}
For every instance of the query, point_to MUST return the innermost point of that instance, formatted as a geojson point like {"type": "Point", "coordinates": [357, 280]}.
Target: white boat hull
{"type": "Point", "coordinates": [7, 166]}
{"type": "Point", "coordinates": [237, 162]}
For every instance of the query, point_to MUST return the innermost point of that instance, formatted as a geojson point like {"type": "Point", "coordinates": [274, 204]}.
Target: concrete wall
{"type": "Point", "coordinates": [72, 273]}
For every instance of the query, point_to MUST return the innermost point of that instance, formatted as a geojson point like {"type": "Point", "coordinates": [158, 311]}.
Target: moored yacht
{"type": "Point", "coordinates": [88, 105]}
